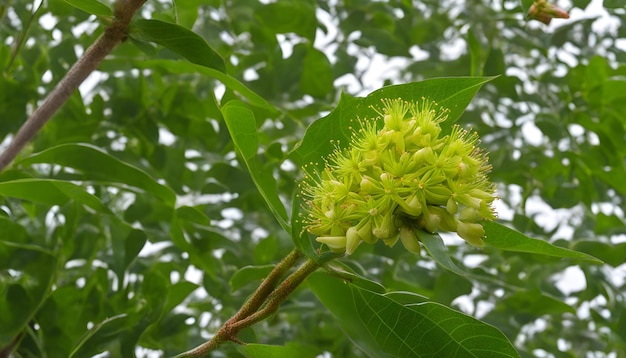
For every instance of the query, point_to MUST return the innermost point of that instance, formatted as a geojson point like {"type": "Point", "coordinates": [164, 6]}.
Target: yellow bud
{"type": "Point", "coordinates": [334, 243]}
{"type": "Point", "coordinates": [452, 206]}
{"type": "Point", "coordinates": [409, 239]}
{"type": "Point", "coordinates": [430, 221]}
{"type": "Point", "coordinates": [471, 232]}
{"type": "Point", "coordinates": [352, 240]}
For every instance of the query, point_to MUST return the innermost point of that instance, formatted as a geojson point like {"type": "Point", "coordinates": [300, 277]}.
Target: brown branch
{"type": "Point", "coordinates": [231, 328]}
{"type": "Point", "coordinates": [113, 35]}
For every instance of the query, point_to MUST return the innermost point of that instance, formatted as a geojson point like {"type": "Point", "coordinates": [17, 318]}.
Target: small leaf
{"type": "Point", "coordinates": [241, 124]}
{"type": "Point", "coordinates": [505, 238]}
{"type": "Point", "coordinates": [101, 166]}
{"type": "Point", "coordinates": [94, 7]}
{"type": "Point", "coordinates": [180, 40]}
{"type": "Point", "coordinates": [382, 327]}
{"type": "Point", "coordinates": [248, 274]}
{"type": "Point", "coordinates": [437, 250]}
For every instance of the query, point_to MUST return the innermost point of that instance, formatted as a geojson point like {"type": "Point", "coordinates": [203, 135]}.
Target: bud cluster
{"type": "Point", "coordinates": [392, 183]}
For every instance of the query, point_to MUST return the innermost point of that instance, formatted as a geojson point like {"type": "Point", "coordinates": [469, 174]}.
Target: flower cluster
{"type": "Point", "coordinates": [392, 183]}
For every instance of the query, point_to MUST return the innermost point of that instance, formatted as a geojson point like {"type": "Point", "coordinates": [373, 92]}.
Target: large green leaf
{"type": "Point", "coordinates": [290, 350]}
{"type": "Point", "coordinates": [98, 165]}
{"type": "Point", "coordinates": [382, 327]}
{"type": "Point", "coordinates": [505, 238]}
{"type": "Point", "coordinates": [179, 40]}
{"type": "Point", "coordinates": [51, 192]}
{"type": "Point", "coordinates": [321, 137]}
{"type": "Point", "coordinates": [241, 124]}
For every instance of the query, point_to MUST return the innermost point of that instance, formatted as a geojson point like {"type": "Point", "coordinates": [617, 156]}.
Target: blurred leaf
{"type": "Point", "coordinates": [94, 7]}
{"type": "Point", "coordinates": [383, 327]}
{"type": "Point", "coordinates": [290, 350]}
{"type": "Point", "coordinates": [535, 304]}
{"type": "Point", "coordinates": [248, 274]}
{"type": "Point", "coordinates": [51, 192]}
{"type": "Point", "coordinates": [505, 238]}
{"type": "Point", "coordinates": [179, 40]}
{"type": "Point", "coordinates": [317, 75]}
{"type": "Point", "coordinates": [99, 165]}
{"type": "Point", "coordinates": [97, 338]}
{"type": "Point", "coordinates": [177, 67]}
{"type": "Point", "coordinates": [613, 4]}
{"type": "Point", "coordinates": [612, 254]}
{"type": "Point", "coordinates": [285, 16]}
{"type": "Point", "coordinates": [243, 129]}
{"type": "Point", "coordinates": [27, 273]}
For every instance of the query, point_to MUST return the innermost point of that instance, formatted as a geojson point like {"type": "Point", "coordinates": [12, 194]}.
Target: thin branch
{"type": "Point", "coordinates": [22, 38]}
{"type": "Point", "coordinates": [279, 295]}
{"type": "Point", "coordinates": [113, 35]}
{"type": "Point", "coordinates": [248, 316]}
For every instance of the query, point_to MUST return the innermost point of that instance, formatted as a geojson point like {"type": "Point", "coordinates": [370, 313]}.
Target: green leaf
{"type": "Point", "coordinates": [437, 250]}
{"type": "Point", "coordinates": [178, 67]}
{"type": "Point", "coordinates": [94, 7]}
{"type": "Point", "coordinates": [382, 327]}
{"type": "Point", "coordinates": [321, 136]}
{"type": "Point", "coordinates": [290, 350]}
{"type": "Point", "coordinates": [98, 165]}
{"type": "Point", "coordinates": [27, 273]}
{"type": "Point", "coordinates": [50, 192]}
{"type": "Point", "coordinates": [505, 238]}
{"type": "Point", "coordinates": [286, 16]}
{"type": "Point", "coordinates": [241, 124]}
{"type": "Point", "coordinates": [317, 74]}
{"type": "Point", "coordinates": [612, 254]}
{"type": "Point", "coordinates": [534, 303]}
{"type": "Point", "coordinates": [248, 274]}
{"type": "Point", "coordinates": [95, 340]}
{"type": "Point", "coordinates": [613, 4]}
{"type": "Point", "coordinates": [180, 40]}
{"type": "Point", "coordinates": [354, 279]}
{"type": "Point", "coordinates": [301, 238]}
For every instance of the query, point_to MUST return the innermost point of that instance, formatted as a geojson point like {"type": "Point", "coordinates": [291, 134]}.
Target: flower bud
{"type": "Point", "coordinates": [409, 240]}
{"type": "Point", "coordinates": [471, 232]}
{"type": "Point", "coordinates": [335, 243]}
{"type": "Point", "coordinates": [352, 240]}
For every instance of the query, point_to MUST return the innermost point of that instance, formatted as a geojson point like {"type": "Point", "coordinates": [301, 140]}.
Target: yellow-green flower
{"type": "Point", "coordinates": [395, 182]}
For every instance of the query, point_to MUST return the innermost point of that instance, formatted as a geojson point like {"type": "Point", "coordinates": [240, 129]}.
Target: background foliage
{"type": "Point", "coordinates": [132, 200]}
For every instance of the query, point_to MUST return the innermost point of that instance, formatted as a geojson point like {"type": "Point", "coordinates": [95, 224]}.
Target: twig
{"type": "Point", "coordinates": [114, 34]}
{"type": "Point", "coordinates": [248, 316]}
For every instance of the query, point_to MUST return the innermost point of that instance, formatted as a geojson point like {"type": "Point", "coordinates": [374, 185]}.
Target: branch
{"type": "Point", "coordinates": [113, 35]}
{"type": "Point", "coordinates": [248, 316]}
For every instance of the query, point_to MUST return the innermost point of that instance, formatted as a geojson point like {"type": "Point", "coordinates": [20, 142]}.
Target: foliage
{"type": "Point", "coordinates": [148, 209]}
